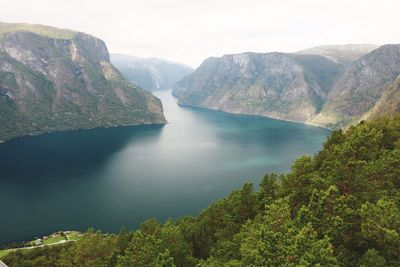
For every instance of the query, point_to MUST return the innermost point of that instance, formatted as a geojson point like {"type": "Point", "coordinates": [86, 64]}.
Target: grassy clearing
{"type": "Point", "coordinates": [4, 253]}
{"type": "Point", "coordinates": [52, 240]}
{"type": "Point", "coordinates": [73, 235]}
{"type": "Point", "coordinates": [31, 243]}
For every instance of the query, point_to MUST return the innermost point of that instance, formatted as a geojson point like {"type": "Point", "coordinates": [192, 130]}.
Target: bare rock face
{"type": "Point", "coordinates": [277, 85]}
{"type": "Point", "coordinates": [54, 80]}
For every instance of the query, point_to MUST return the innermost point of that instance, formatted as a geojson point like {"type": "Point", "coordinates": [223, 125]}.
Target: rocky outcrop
{"type": "Point", "coordinates": [150, 73]}
{"type": "Point", "coordinates": [54, 80]}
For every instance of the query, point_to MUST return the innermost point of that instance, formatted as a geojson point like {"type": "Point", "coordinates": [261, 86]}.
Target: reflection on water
{"type": "Point", "coordinates": [107, 178]}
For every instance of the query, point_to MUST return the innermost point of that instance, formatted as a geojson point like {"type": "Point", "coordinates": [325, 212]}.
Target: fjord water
{"type": "Point", "coordinates": [108, 178]}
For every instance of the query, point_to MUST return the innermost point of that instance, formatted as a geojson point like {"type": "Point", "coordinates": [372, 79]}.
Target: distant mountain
{"type": "Point", "coordinates": [150, 73]}
{"type": "Point", "coordinates": [53, 80]}
{"type": "Point", "coordinates": [328, 89]}
{"type": "Point", "coordinates": [278, 85]}
{"type": "Point", "coordinates": [342, 54]}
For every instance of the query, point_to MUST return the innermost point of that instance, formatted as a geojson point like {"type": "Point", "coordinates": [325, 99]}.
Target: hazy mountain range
{"type": "Point", "coordinates": [53, 80]}
{"type": "Point", "coordinates": [150, 73]}
{"type": "Point", "coordinates": [329, 86]}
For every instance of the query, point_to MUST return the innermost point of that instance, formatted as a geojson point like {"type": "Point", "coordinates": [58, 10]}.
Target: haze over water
{"type": "Point", "coordinates": [107, 178]}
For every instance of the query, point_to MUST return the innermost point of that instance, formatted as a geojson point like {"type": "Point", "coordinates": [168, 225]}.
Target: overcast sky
{"type": "Point", "coordinates": [189, 31]}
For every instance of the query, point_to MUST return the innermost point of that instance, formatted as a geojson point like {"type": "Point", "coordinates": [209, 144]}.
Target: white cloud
{"type": "Point", "coordinates": [188, 31]}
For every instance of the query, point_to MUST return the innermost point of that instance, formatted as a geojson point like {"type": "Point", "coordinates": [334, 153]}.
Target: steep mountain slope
{"type": "Point", "coordinates": [150, 73]}
{"type": "Point", "coordinates": [389, 103]}
{"type": "Point", "coordinates": [277, 85]}
{"type": "Point", "coordinates": [321, 90]}
{"type": "Point", "coordinates": [343, 54]}
{"type": "Point", "coordinates": [53, 80]}
{"type": "Point", "coordinates": [361, 87]}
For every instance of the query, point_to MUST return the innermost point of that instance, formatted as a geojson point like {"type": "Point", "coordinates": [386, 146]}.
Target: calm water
{"type": "Point", "coordinates": [106, 178]}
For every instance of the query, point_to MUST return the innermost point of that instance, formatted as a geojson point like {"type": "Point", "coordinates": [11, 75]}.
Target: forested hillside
{"type": "Point", "coordinates": [339, 207]}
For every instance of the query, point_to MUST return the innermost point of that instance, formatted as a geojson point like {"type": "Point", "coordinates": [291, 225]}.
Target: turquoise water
{"type": "Point", "coordinates": [108, 178]}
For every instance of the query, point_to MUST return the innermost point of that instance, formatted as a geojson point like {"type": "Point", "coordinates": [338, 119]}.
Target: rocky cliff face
{"type": "Point", "coordinates": [277, 85]}
{"type": "Point", "coordinates": [150, 73]}
{"type": "Point", "coordinates": [313, 89]}
{"type": "Point", "coordinates": [53, 80]}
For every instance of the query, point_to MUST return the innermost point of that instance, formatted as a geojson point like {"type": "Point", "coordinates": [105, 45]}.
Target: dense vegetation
{"type": "Point", "coordinates": [340, 207]}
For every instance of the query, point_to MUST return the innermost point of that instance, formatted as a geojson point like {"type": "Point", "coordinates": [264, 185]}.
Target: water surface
{"type": "Point", "coordinates": [107, 178]}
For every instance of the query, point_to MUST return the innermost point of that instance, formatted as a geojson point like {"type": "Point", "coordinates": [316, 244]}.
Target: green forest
{"type": "Point", "coordinates": [339, 207]}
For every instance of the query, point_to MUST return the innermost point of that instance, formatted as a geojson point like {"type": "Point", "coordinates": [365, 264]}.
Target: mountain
{"type": "Point", "coordinates": [342, 54]}
{"type": "Point", "coordinates": [150, 73]}
{"type": "Point", "coordinates": [366, 88]}
{"type": "Point", "coordinates": [278, 85]}
{"type": "Point", "coordinates": [55, 80]}
{"type": "Point", "coordinates": [321, 90]}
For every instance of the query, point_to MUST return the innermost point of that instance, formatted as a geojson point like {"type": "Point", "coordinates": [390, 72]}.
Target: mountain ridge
{"type": "Point", "coordinates": [251, 83]}
{"type": "Point", "coordinates": [343, 54]}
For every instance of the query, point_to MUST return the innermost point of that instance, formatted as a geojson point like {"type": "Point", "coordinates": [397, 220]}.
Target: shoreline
{"type": "Point", "coordinates": [80, 129]}
{"type": "Point", "coordinates": [253, 115]}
